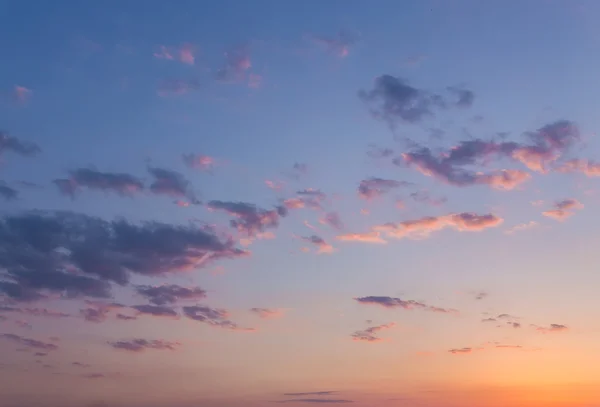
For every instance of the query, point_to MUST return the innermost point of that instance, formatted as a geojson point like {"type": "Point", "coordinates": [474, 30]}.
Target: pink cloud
{"type": "Point", "coordinates": [521, 227]}
{"type": "Point", "coordinates": [587, 167]}
{"type": "Point", "coordinates": [394, 302]}
{"type": "Point", "coordinates": [563, 209]}
{"type": "Point", "coordinates": [21, 94]}
{"type": "Point", "coordinates": [332, 219]}
{"type": "Point", "coordinates": [185, 54]}
{"type": "Point", "coordinates": [369, 237]}
{"type": "Point", "coordinates": [553, 328]}
{"type": "Point", "coordinates": [199, 161]}
{"type": "Point", "coordinates": [322, 245]}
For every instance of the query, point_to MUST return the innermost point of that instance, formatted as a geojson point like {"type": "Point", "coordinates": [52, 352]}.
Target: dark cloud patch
{"type": "Point", "coordinates": [124, 317]}
{"type": "Point", "coordinates": [170, 293]}
{"type": "Point", "coordinates": [155, 310]}
{"type": "Point", "coordinates": [211, 316]}
{"type": "Point", "coordinates": [464, 97]}
{"type": "Point", "coordinates": [140, 345]}
{"type": "Point", "coordinates": [312, 393]}
{"type": "Point", "coordinates": [333, 220]}
{"type": "Point", "coordinates": [98, 311]}
{"type": "Point", "coordinates": [76, 255]}
{"type": "Point", "coordinates": [79, 364]}
{"type": "Point", "coordinates": [393, 302]}
{"type": "Point", "coordinates": [392, 99]}
{"type": "Point", "coordinates": [8, 193]}
{"type": "Point", "coordinates": [489, 320]}
{"type": "Point", "coordinates": [373, 187]}
{"type": "Point", "coordinates": [249, 219]}
{"type": "Point", "coordinates": [13, 144]}
{"type": "Point", "coordinates": [171, 183]}
{"type": "Point", "coordinates": [30, 343]}
{"type": "Point", "coordinates": [120, 183]}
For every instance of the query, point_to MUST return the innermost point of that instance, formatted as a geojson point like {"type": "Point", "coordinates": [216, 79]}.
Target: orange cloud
{"type": "Point", "coordinates": [369, 237]}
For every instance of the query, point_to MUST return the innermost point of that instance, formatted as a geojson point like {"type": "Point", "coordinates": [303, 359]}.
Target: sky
{"type": "Point", "coordinates": [386, 203]}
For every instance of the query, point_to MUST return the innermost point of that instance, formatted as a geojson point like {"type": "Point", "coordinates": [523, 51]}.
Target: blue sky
{"type": "Point", "coordinates": [112, 90]}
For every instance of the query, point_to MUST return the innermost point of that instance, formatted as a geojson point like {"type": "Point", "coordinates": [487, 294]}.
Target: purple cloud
{"type": "Point", "coordinates": [140, 345]}
{"type": "Point", "coordinates": [393, 302]}
{"type": "Point", "coordinates": [212, 316]}
{"type": "Point", "coordinates": [120, 183]}
{"type": "Point", "coordinates": [31, 343]}
{"type": "Point", "coordinates": [170, 293]}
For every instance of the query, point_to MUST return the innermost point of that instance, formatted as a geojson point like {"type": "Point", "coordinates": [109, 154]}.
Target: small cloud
{"type": "Point", "coordinates": [170, 293]}
{"type": "Point", "coordinates": [374, 187]}
{"type": "Point", "coordinates": [338, 45]}
{"type": "Point", "coordinates": [267, 313]}
{"type": "Point", "coordinates": [237, 64]}
{"type": "Point", "coordinates": [249, 219]}
{"type": "Point", "coordinates": [171, 183]}
{"type": "Point", "coordinates": [211, 316]}
{"type": "Point", "coordinates": [140, 345]}
{"type": "Point", "coordinates": [393, 302]}
{"type": "Point", "coordinates": [460, 351]}
{"type": "Point", "coordinates": [155, 310]}
{"type": "Point", "coordinates": [13, 144]}
{"type": "Point", "coordinates": [333, 220]}
{"type": "Point", "coordinates": [320, 243]}
{"type": "Point", "coordinates": [521, 227]}
{"type": "Point", "coordinates": [21, 94]}
{"type": "Point", "coordinates": [563, 209]}
{"type": "Point", "coordinates": [120, 183]}
{"type": "Point", "coordinates": [177, 87]}
{"type": "Point", "coordinates": [553, 328]}
{"type": "Point", "coordinates": [312, 393]}
{"type": "Point", "coordinates": [369, 334]}
{"type": "Point", "coordinates": [199, 161]}
{"type": "Point", "coordinates": [8, 193]}
{"type": "Point", "coordinates": [316, 401]}
{"type": "Point", "coordinates": [369, 237]}
{"type": "Point", "coordinates": [31, 343]}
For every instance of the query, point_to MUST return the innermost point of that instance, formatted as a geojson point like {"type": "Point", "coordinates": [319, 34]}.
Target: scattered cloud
{"type": "Point", "coordinates": [250, 219]}
{"type": "Point", "coordinates": [155, 310]}
{"type": "Point", "coordinates": [394, 302]}
{"type": "Point", "coordinates": [76, 255]}
{"type": "Point", "coordinates": [374, 187]}
{"type": "Point", "coordinates": [461, 351]}
{"type": "Point", "coordinates": [21, 94]}
{"type": "Point", "coordinates": [563, 209]}
{"type": "Point", "coordinates": [338, 45]}
{"type": "Point", "coordinates": [170, 293]}
{"type": "Point", "coordinates": [8, 193]}
{"type": "Point", "coordinates": [30, 343]}
{"type": "Point", "coordinates": [333, 220]}
{"type": "Point", "coordinates": [140, 345]}
{"type": "Point", "coordinates": [171, 183]}
{"type": "Point", "coordinates": [13, 144]}
{"type": "Point", "coordinates": [177, 87]}
{"type": "Point", "coordinates": [369, 237]}
{"type": "Point", "coordinates": [200, 162]}
{"type": "Point", "coordinates": [211, 316]}
{"type": "Point", "coordinates": [521, 227]}
{"type": "Point", "coordinates": [553, 328]}
{"type": "Point", "coordinates": [312, 393]}
{"type": "Point", "coordinates": [120, 183]}
{"type": "Point", "coordinates": [267, 313]}
{"type": "Point", "coordinates": [320, 243]}
{"type": "Point", "coordinates": [316, 401]}
{"type": "Point", "coordinates": [237, 64]}
{"type": "Point", "coordinates": [370, 334]}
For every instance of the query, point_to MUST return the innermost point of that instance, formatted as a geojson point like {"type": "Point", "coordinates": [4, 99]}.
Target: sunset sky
{"type": "Point", "coordinates": [241, 203]}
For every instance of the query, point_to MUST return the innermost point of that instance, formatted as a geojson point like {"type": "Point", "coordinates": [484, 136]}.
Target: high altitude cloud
{"type": "Point", "coordinates": [317, 401]}
{"type": "Point", "coordinates": [587, 167]}
{"type": "Point", "coordinates": [373, 187]}
{"type": "Point", "coordinates": [212, 316]}
{"type": "Point", "coordinates": [332, 219]}
{"type": "Point", "coordinates": [120, 183]}
{"type": "Point", "coordinates": [370, 334]}
{"type": "Point", "coordinates": [13, 144]}
{"type": "Point", "coordinates": [394, 302]}
{"type": "Point", "coordinates": [369, 237]}
{"type": "Point", "coordinates": [170, 293]}
{"type": "Point", "coordinates": [394, 100]}
{"type": "Point", "coordinates": [312, 393]}
{"type": "Point", "coordinates": [140, 345]}
{"type": "Point", "coordinates": [563, 209]}
{"type": "Point", "coordinates": [30, 343]}
{"type": "Point", "coordinates": [78, 255]}
{"type": "Point", "coordinates": [461, 350]}
{"type": "Point", "coordinates": [250, 219]}
{"type": "Point", "coordinates": [184, 54]}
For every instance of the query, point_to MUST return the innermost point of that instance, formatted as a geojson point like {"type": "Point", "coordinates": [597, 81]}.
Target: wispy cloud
{"type": "Point", "coordinates": [30, 343]}
{"type": "Point", "coordinates": [374, 187]}
{"type": "Point", "coordinates": [394, 302]}
{"type": "Point", "coordinates": [170, 293]}
{"type": "Point", "coordinates": [211, 316]}
{"type": "Point", "coordinates": [370, 334]}
{"type": "Point", "coordinates": [120, 183]}
{"type": "Point", "coordinates": [140, 345]}
{"type": "Point", "coordinates": [553, 328]}
{"type": "Point", "coordinates": [267, 313]}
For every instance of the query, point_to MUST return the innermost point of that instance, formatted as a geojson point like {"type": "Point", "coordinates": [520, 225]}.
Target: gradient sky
{"type": "Point", "coordinates": [387, 203]}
